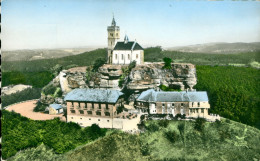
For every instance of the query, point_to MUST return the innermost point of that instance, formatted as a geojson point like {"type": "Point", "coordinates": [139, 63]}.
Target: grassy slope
{"type": "Point", "coordinates": [228, 140]}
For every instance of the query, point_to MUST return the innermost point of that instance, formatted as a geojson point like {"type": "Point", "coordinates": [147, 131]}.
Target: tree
{"type": "Point", "coordinates": [98, 63]}
{"type": "Point", "coordinates": [199, 124]}
{"type": "Point", "coordinates": [167, 63]}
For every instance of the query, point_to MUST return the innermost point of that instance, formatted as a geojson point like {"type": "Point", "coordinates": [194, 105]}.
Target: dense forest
{"type": "Point", "coordinates": [27, 94]}
{"type": "Point", "coordinates": [19, 133]}
{"type": "Point", "coordinates": [165, 140]}
{"type": "Point", "coordinates": [233, 92]}
{"type": "Point", "coordinates": [35, 79]}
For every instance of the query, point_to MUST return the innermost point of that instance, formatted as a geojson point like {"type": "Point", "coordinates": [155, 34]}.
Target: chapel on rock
{"type": "Point", "coordinates": [122, 52]}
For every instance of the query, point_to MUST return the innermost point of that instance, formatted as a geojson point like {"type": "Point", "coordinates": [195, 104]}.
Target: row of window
{"type": "Point", "coordinates": [85, 106]}
{"type": "Point", "coordinates": [196, 110]}
{"type": "Point", "coordinates": [89, 119]}
{"type": "Point", "coordinates": [90, 112]}
{"type": "Point", "coordinates": [192, 104]}
{"type": "Point", "coordinates": [163, 105]}
{"type": "Point", "coordinates": [122, 56]}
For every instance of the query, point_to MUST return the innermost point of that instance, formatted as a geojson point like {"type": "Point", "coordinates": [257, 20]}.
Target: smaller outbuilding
{"type": "Point", "coordinates": [55, 109]}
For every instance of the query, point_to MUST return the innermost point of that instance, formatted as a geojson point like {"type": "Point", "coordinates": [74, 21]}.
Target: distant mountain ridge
{"type": "Point", "coordinates": [219, 48]}
{"type": "Point", "coordinates": [35, 54]}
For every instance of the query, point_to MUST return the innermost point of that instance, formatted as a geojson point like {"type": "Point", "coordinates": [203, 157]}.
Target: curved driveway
{"type": "Point", "coordinates": [26, 109]}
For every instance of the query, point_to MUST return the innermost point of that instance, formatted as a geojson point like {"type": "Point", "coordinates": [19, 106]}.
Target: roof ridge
{"type": "Point", "coordinates": [133, 45]}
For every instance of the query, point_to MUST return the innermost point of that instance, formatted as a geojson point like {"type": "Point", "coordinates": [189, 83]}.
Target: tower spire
{"type": "Point", "coordinates": [113, 21]}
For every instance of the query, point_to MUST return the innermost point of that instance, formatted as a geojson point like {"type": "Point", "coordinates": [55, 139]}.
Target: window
{"type": "Point", "coordinates": [99, 105]}
{"type": "Point", "coordinates": [197, 110]}
{"type": "Point", "coordinates": [107, 113]}
{"type": "Point", "coordinates": [72, 104]}
{"type": "Point", "coordinates": [136, 56]}
{"type": "Point", "coordinates": [81, 111]}
{"type": "Point", "coordinates": [107, 106]}
{"type": "Point", "coordinates": [163, 104]}
{"type": "Point", "coordinates": [89, 119]}
{"type": "Point", "coordinates": [198, 104]}
{"type": "Point", "coordinates": [98, 119]}
{"type": "Point", "coordinates": [116, 34]}
{"type": "Point", "coordinates": [72, 111]}
{"type": "Point", "coordinates": [89, 112]}
{"type": "Point", "coordinates": [93, 105]}
{"type": "Point", "coordinates": [202, 110]}
{"type": "Point", "coordinates": [107, 120]}
{"type": "Point", "coordinates": [115, 56]}
{"type": "Point", "coordinates": [81, 118]}
{"type": "Point", "coordinates": [128, 56]}
{"type": "Point", "coordinates": [98, 113]}
{"type": "Point", "coordinates": [172, 104]}
{"type": "Point", "coordinates": [122, 57]}
{"type": "Point", "coordinates": [71, 117]}
{"type": "Point", "coordinates": [111, 42]}
{"type": "Point", "coordinates": [181, 104]}
{"type": "Point", "coordinates": [192, 104]}
{"type": "Point", "coordinates": [111, 34]}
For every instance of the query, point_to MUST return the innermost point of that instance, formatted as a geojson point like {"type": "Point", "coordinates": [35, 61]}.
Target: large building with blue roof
{"type": "Point", "coordinates": [93, 106]}
{"type": "Point", "coordinates": [191, 103]}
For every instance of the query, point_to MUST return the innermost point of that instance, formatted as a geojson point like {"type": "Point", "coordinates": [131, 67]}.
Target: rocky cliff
{"type": "Point", "coordinates": [150, 75]}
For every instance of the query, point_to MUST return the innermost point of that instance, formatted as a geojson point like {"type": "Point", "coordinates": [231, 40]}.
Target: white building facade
{"type": "Point", "coordinates": [122, 52]}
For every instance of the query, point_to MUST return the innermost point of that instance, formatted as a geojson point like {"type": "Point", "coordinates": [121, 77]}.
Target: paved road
{"type": "Point", "coordinates": [26, 109]}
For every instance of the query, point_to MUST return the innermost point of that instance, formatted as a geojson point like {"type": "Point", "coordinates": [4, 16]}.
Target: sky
{"type": "Point", "coordinates": [42, 24]}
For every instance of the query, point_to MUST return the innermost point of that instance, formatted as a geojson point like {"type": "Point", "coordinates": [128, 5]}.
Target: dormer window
{"type": "Point", "coordinates": [116, 56]}
{"type": "Point", "coordinates": [198, 104]}
{"type": "Point", "coordinates": [128, 56]}
{"type": "Point", "coordinates": [136, 56]}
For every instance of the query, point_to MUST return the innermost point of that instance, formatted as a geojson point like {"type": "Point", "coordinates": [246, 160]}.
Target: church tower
{"type": "Point", "coordinates": [113, 36]}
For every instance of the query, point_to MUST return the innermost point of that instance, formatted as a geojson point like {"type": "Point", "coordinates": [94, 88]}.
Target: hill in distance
{"type": "Point", "coordinates": [219, 48]}
{"type": "Point", "coordinates": [36, 54]}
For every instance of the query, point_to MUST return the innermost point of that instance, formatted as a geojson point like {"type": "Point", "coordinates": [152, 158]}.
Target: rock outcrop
{"type": "Point", "coordinates": [151, 75]}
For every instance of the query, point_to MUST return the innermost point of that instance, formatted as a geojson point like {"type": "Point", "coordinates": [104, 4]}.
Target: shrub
{"type": "Point", "coordinates": [199, 124]}
{"type": "Point", "coordinates": [142, 117]}
{"type": "Point", "coordinates": [56, 69]}
{"type": "Point", "coordinates": [40, 107]}
{"type": "Point", "coordinates": [49, 89]}
{"type": "Point", "coordinates": [94, 131]}
{"type": "Point", "coordinates": [167, 63]}
{"type": "Point", "coordinates": [98, 63]}
{"type": "Point", "coordinates": [164, 123]}
{"type": "Point", "coordinates": [178, 115]}
{"type": "Point", "coordinates": [172, 136]}
{"type": "Point", "coordinates": [152, 127]}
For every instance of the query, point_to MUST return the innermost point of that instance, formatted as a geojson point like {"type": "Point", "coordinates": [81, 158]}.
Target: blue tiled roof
{"type": "Point", "coordinates": [161, 96]}
{"type": "Point", "coordinates": [93, 95]}
{"type": "Point", "coordinates": [56, 106]}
